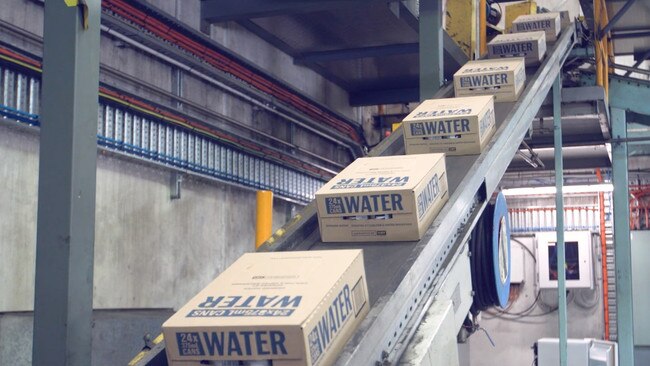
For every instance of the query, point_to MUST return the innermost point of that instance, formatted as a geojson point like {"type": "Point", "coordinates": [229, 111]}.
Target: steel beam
{"type": "Point", "coordinates": [612, 22]}
{"type": "Point", "coordinates": [452, 50]}
{"type": "Point", "coordinates": [642, 119]}
{"type": "Point", "coordinates": [629, 94]}
{"type": "Point", "coordinates": [390, 96]}
{"type": "Point", "coordinates": [626, 35]}
{"type": "Point", "coordinates": [66, 187]}
{"type": "Point", "coordinates": [356, 53]}
{"type": "Point", "coordinates": [587, 139]}
{"type": "Point", "coordinates": [625, 93]}
{"type": "Point", "coordinates": [630, 69]}
{"type": "Point", "coordinates": [622, 245]}
{"type": "Point", "coordinates": [282, 46]}
{"type": "Point", "coordinates": [519, 165]}
{"type": "Point", "coordinates": [225, 10]}
{"type": "Point", "coordinates": [431, 48]}
{"type": "Point", "coordinates": [583, 94]}
{"type": "Point", "coordinates": [559, 207]}
{"type": "Point", "coordinates": [638, 62]}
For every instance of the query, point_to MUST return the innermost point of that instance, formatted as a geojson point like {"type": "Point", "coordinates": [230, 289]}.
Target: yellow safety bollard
{"type": "Point", "coordinates": [264, 223]}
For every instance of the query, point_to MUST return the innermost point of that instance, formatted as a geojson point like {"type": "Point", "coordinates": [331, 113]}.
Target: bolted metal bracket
{"type": "Point", "coordinates": [175, 185]}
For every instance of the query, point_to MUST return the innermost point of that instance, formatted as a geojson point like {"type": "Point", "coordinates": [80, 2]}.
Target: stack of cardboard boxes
{"type": "Point", "coordinates": [300, 308]}
{"type": "Point", "coordinates": [380, 199]}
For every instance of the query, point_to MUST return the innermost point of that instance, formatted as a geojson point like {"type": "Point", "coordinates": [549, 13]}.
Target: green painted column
{"type": "Point", "coordinates": [622, 244]}
{"type": "Point", "coordinates": [559, 209]}
{"type": "Point", "coordinates": [431, 48]}
{"type": "Point", "coordinates": [66, 188]}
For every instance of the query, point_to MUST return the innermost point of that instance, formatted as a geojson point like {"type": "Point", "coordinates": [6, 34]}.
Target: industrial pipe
{"type": "Point", "coordinates": [223, 86]}
{"type": "Point", "coordinates": [164, 28]}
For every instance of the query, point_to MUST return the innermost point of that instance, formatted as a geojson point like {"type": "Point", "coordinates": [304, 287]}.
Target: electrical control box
{"type": "Point", "coordinates": [580, 352]}
{"type": "Point", "coordinates": [578, 254]}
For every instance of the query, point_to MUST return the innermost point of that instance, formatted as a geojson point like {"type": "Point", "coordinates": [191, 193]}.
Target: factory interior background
{"type": "Point", "coordinates": [202, 104]}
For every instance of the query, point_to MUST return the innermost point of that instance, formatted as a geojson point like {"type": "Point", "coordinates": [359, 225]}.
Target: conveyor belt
{"type": "Point", "coordinates": [402, 276]}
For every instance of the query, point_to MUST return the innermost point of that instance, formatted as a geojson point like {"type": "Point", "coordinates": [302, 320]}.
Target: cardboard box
{"type": "Point", "coordinates": [530, 45]}
{"type": "Point", "coordinates": [547, 22]}
{"type": "Point", "coordinates": [455, 126]}
{"type": "Point", "coordinates": [503, 78]}
{"type": "Point", "coordinates": [388, 198]}
{"type": "Point", "coordinates": [295, 308]}
{"type": "Point", "coordinates": [565, 19]}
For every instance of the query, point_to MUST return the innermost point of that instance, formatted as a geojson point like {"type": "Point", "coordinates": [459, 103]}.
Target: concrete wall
{"type": "Point", "coordinates": [117, 335]}
{"type": "Point", "coordinates": [150, 251]}
{"type": "Point", "coordinates": [142, 237]}
{"type": "Point", "coordinates": [514, 336]}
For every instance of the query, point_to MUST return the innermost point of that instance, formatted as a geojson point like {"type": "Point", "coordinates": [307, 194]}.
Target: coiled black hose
{"type": "Point", "coordinates": [482, 263]}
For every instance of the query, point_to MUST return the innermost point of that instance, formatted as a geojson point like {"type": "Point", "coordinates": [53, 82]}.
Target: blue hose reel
{"type": "Point", "coordinates": [490, 260]}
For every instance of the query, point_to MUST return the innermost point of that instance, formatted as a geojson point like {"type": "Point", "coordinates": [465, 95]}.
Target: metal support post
{"type": "Point", "coordinates": [66, 188]}
{"type": "Point", "coordinates": [431, 48]}
{"type": "Point", "coordinates": [622, 245]}
{"type": "Point", "coordinates": [559, 208]}
{"type": "Point", "coordinates": [264, 217]}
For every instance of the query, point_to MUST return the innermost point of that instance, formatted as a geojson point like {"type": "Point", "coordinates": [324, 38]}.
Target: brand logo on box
{"type": "Point", "coordinates": [426, 198]}
{"type": "Point", "coordinates": [347, 304]}
{"type": "Point", "coordinates": [428, 128]}
{"type": "Point", "coordinates": [240, 343]}
{"type": "Point", "coordinates": [483, 80]}
{"type": "Point", "coordinates": [512, 48]}
{"type": "Point", "coordinates": [486, 121]}
{"type": "Point", "coordinates": [364, 204]}
{"type": "Point", "coordinates": [534, 25]}
{"type": "Point", "coordinates": [443, 112]}
{"type": "Point", "coordinates": [371, 182]}
{"type": "Point", "coordinates": [520, 76]}
{"type": "Point", "coordinates": [485, 69]}
{"type": "Point", "coordinates": [238, 306]}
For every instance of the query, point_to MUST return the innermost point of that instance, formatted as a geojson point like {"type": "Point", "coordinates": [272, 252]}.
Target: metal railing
{"type": "Point", "coordinates": [536, 219]}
